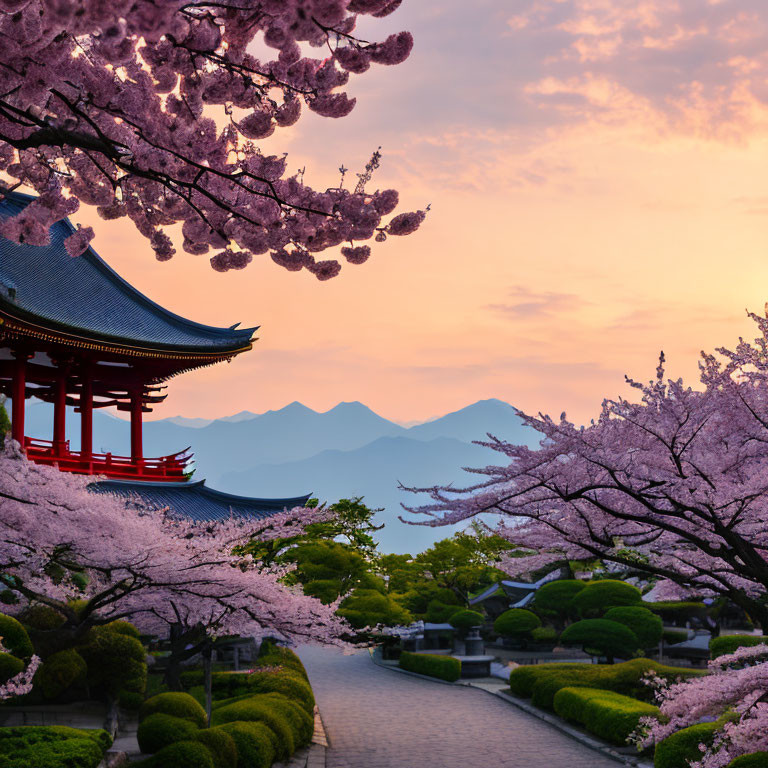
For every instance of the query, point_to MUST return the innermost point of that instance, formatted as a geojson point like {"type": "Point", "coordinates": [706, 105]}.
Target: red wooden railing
{"type": "Point", "coordinates": [165, 468]}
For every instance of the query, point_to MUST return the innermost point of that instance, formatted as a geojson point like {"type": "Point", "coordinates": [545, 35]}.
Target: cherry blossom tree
{"type": "Point", "coordinates": [675, 485]}
{"type": "Point", "coordinates": [150, 109]}
{"type": "Point", "coordinates": [96, 558]}
{"type": "Point", "coordinates": [21, 684]}
{"type": "Point", "coordinates": [737, 684]}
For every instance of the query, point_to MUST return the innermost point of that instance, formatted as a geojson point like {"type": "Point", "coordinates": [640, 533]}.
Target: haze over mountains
{"type": "Point", "coordinates": [344, 452]}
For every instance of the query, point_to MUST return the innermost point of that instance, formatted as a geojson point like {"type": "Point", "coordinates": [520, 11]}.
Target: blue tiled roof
{"type": "Point", "coordinates": [84, 295]}
{"type": "Point", "coordinates": [196, 500]}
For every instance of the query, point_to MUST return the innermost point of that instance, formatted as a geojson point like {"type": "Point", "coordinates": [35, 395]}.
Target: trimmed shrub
{"type": "Point", "coordinates": [271, 655]}
{"type": "Point", "coordinates": [541, 682]}
{"type": "Point", "coordinates": [261, 709]}
{"type": "Point", "coordinates": [369, 608]}
{"type": "Point", "coordinates": [544, 635]}
{"type": "Point", "coordinates": [598, 596]}
{"type": "Point", "coordinates": [59, 672]}
{"type": "Point", "coordinates": [464, 620]}
{"type": "Point", "coordinates": [52, 747]}
{"type": "Point", "coordinates": [608, 715]}
{"type": "Point", "coordinates": [677, 610]}
{"type": "Point", "coordinates": [439, 612]}
{"type": "Point", "coordinates": [177, 704]}
{"type": "Point", "coordinates": [115, 661]}
{"type": "Point", "coordinates": [15, 638]}
{"type": "Point", "coordinates": [672, 636]}
{"type": "Point", "coordinates": [123, 628]}
{"type": "Point", "coordinates": [290, 684]}
{"type": "Point", "coordinates": [682, 747]}
{"type": "Point", "coordinates": [516, 622]}
{"type": "Point", "coordinates": [601, 637]}
{"type": "Point", "coordinates": [254, 743]}
{"type": "Point", "coordinates": [755, 760]}
{"type": "Point", "coordinates": [442, 667]}
{"type": "Point", "coordinates": [42, 617]}
{"type": "Point", "coordinates": [645, 624]}
{"type": "Point", "coordinates": [719, 646]}
{"type": "Point", "coordinates": [10, 666]}
{"type": "Point", "coordinates": [554, 599]}
{"type": "Point", "coordinates": [221, 746]}
{"type": "Point", "coordinates": [160, 730]}
{"type": "Point", "coordinates": [182, 754]}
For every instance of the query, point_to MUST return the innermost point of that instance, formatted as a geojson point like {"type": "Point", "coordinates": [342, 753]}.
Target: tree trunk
{"type": "Point", "coordinates": [208, 682]}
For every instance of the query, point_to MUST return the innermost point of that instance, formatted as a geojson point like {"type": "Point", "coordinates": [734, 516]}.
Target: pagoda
{"type": "Point", "coordinates": [74, 333]}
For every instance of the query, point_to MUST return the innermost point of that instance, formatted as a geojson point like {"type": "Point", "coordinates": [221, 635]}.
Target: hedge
{"type": "Point", "coordinates": [554, 598]}
{"type": "Point", "coordinates": [10, 666]}
{"type": "Point", "coordinates": [177, 704]}
{"type": "Point", "coordinates": [286, 682]}
{"type": "Point", "coordinates": [60, 671]}
{"type": "Point", "coordinates": [254, 742]}
{"type": "Point", "coordinates": [261, 709]}
{"type": "Point", "coordinates": [607, 714]}
{"type": "Point", "coordinates": [719, 646]}
{"type": "Point", "coordinates": [116, 661]}
{"type": "Point", "coordinates": [755, 760]}
{"type": "Point", "coordinates": [601, 637]}
{"type": "Point", "coordinates": [464, 620]}
{"type": "Point", "coordinates": [52, 747]}
{"type": "Point", "coordinates": [598, 596]}
{"type": "Point", "coordinates": [275, 655]}
{"type": "Point", "coordinates": [15, 638]}
{"type": "Point", "coordinates": [541, 682]}
{"type": "Point", "coordinates": [682, 747]}
{"type": "Point", "coordinates": [159, 730]}
{"type": "Point", "coordinates": [516, 622]}
{"type": "Point", "coordinates": [181, 754]}
{"type": "Point", "coordinates": [221, 746]}
{"type": "Point", "coordinates": [645, 624]}
{"type": "Point", "coordinates": [443, 667]}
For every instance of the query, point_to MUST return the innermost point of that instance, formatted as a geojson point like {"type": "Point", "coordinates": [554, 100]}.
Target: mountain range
{"type": "Point", "coordinates": [344, 452]}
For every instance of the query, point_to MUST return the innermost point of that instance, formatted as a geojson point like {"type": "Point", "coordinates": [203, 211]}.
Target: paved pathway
{"type": "Point", "coordinates": [377, 718]}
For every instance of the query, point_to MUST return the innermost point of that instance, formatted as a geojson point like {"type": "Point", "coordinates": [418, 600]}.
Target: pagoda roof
{"type": "Point", "coordinates": [196, 501]}
{"type": "Point", "coordinates": [84, 297]}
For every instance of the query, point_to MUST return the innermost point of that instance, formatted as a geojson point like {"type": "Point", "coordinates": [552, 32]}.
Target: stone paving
{"type": "Point", "coordinates": [378, 718]}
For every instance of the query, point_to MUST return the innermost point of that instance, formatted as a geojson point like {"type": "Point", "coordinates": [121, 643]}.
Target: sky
{"type": "Point", "coordinates": [596, 171]}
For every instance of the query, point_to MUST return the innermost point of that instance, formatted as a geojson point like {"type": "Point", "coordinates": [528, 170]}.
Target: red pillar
{"type": "Point", "coordinates": [18, 397]}
{"type": "Point", "coordinates": [60, 414]}
{"type": "Point", "coordinates": [86, 414]}
{"type": "Point", "coordinates": [137, 448]}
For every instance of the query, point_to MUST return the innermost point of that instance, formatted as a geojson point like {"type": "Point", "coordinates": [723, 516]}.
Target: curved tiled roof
{"type": "Point", "coordinates": [46, 286]}
{"type": "Point", "coordinates": [196, 500]}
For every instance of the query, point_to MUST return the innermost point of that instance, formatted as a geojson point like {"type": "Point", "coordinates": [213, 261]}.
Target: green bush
{"type": "Point", "coordinates": [221, 746]}
{"type": "Point", "coordinates": [439, 612]}
{"type": "Point", "coordinates": [516, 622]}
{"type": "Point", "coordinates": [645, 624]}
{"type": "Point", "coordinates": [15, 638]}
{"type": "Point", "coordinates": [10, 666]}
{"type": "Point", "coordinates": [672, 636]}
{"type": "Point", "coordinates": [544, 635]}
{"type": "Point", "coordinates": [755, 760]}
{"type": "Point", "coordinates": [369, 608]}
{"type": "Point", "coordinates": [608, 715]}
{"type": "Point", "coordinates": [278, 656]}
{"type": "Point", "coordinates": [260, 709]}
{"type": "Point", "coordinates": [677, 610]}
{"type": "Point", "coordinates": [52, 747]}
{"type": "Point", "coordinates": [60, 671]}
{"type": "Point", "coordinates": [42, 617]}
{"type": "Point", "coordinates": [465, 620]}
{"type": "Point", "coordinates": [254, 742]}
{"type": "Point", "coordinates": [159, 730]}
{"type": "Point", "coordinates": [554, 599]}
{"type": "Point", "coordinates": [123, 628]}
{"type": "Point", "coordinates": [601, 637]}
{"type": "Point", "coordinates": [116, 662]}
{"type": "Point", "coordinates": [177, 704]}
{"type": "Point", "coordinates": [719, 646]}
{"type": "Point", "coordinates": [540, 682]}
{"type": "Point", "coordinates": [598, 596]}
{"type": "Point", "coordinates": [443, 667]}
{"type": "Point", "coordinates": [180, 754]}
{"type": "Point", "coordinates": [292, 685]}
{"type": "Point", "coordinates": [682, 747]}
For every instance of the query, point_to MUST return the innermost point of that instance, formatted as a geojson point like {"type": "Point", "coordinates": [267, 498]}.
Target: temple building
{"type": "Point", "coordinates": [74, 333]}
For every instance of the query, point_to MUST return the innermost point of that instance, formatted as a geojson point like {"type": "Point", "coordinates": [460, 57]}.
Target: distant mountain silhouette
{"type": "Point", "coordinates": [346, 451]}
